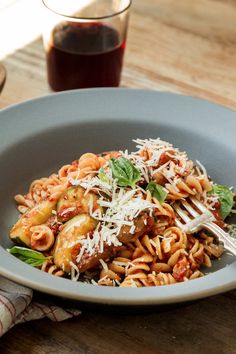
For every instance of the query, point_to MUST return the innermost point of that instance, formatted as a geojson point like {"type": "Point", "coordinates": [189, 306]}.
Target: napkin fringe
{"type": "Point", "coordinates": [16, 307]}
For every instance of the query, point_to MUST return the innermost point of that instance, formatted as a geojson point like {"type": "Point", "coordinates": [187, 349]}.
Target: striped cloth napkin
{"type": "Point", "coordinates": [16, 306]}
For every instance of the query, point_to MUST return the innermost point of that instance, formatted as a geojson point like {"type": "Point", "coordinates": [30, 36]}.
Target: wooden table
{"type": "Point", "coordinates": [185, 46]}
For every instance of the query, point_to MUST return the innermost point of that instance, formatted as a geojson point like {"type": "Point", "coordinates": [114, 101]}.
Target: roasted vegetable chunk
{"type": "Point", "coordinates": [74, 201]}
{"type": "Point", "coordinates": [20, 232]}
{"type": "Point", "coordinates": [88, 261]}
{"type": "Point", "coordinates": [143, 224]}
{"type": "Point", "coordinates": [67, 245]}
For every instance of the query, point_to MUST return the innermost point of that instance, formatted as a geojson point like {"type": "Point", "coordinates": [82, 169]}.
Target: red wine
{"type": "Point", "coordinates": [84, 55]}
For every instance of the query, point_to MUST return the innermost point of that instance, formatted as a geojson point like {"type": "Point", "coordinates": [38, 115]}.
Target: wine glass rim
{"type": "Point", "coordinates": [89, 18]}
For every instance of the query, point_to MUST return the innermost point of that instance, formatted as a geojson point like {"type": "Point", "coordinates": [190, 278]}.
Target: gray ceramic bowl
{"type": "Point", "coordinates": [38, 136]}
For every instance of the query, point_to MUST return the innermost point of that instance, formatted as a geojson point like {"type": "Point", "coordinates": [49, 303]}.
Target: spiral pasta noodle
{"type": "Point", "coordinates": [42, 238]}
{"type": "Point", "coordinates": [50, 268]}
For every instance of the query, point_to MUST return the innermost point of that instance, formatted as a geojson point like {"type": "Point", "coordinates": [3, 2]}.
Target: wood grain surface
{"type": "Point", "coordinates": [2, 76]}
{"type": "Point", "coordinates": [184, 46]}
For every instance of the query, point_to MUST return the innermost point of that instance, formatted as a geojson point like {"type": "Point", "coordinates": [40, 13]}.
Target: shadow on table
{"type": "Point", "coordinates": [107, 308]}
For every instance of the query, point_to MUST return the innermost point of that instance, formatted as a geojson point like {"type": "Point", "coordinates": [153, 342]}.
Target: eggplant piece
{"type": "Point", "coordinates": [20, 232]}
{"type": "Point", "coordinates": [143, 224]}
{"type": "Point", "coordinates": [91, 261]}
{"type": "Point", "coordinates": [67, 245]}
{"type": "Point", "coordinates": [74, 201]}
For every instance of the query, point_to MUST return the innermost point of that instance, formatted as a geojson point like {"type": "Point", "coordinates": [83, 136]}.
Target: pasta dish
{"type": "Point", "coordinates": [108, 219]}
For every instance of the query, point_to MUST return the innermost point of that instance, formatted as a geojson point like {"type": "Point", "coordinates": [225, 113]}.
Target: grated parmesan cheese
{"type": "Point", "coordinates": [75, 273]}
{"type": "Point", "coordinates": [104, 265]}
{"type": "Point", "coordinates": [202, 168]}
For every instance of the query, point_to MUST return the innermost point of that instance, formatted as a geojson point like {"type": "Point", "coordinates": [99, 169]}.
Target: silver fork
{"type": "Point", "coordinates": [201, 218]}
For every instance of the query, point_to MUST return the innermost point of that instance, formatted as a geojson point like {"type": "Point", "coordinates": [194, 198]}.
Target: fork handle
{"type": "Point", "coordinates": [222, 236]}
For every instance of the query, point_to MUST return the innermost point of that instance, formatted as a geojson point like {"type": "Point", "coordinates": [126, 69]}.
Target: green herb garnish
{"type": "Point", "coordinates": [102, 175]}
{"type": "Point", "coordinates": [125, 172]}
{"type": "Point", "coordinates": [226, 199]}
{"type": "Point", "coordinates": [34, 258]}
{"type": "Point", "coordinates": [157, 191]}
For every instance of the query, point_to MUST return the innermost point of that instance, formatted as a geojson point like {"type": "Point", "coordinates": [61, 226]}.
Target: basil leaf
{"type": "Point", "coordinates": [225, 197]}
{"type": "Point", "coordinates": [124, 171]}
{"type": "Point", "coordinates": [102, 175]}
{"type": "Point", "coordinates": [157, 191]}
{"type": "Point", "coordinates": [34, 258]}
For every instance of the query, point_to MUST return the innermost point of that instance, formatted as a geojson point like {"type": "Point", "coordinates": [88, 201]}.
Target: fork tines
{"type": "Point", "coordinates": [191, 216]}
